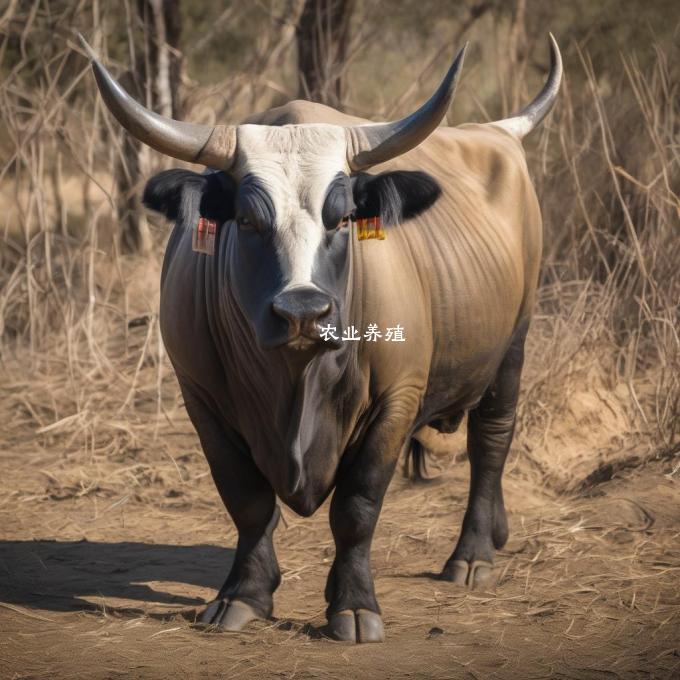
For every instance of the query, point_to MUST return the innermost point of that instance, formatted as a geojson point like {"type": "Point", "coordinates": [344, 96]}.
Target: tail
{"type": "Point", "coordinates": [415, 462]}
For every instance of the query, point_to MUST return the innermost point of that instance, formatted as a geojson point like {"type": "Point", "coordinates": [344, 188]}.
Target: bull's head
{"type": "Point", "coordinates": [286, 190]}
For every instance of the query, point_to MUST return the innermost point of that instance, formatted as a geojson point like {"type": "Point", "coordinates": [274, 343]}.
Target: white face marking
{"type": "Point", "coordinates": [295, 163]}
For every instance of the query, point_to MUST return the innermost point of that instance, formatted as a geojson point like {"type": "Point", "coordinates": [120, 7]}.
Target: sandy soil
{"type": "Point", "coordinates": [103, 580]}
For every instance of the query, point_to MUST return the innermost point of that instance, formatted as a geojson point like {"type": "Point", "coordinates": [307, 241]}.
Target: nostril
{"type": "Point", "coordinates": [322, 309]}
{"type": "Point", "coordinates": [299, 307]}
{"type": "Point", "coordinates": [281, 310]}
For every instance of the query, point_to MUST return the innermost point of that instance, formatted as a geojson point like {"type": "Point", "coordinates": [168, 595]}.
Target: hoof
{"type": "Point", "coordinates": [476, 574]}
{"type": "Point", "coordinates": [359, 625]}
{"type": "Point", "coordinates": [227, 615]}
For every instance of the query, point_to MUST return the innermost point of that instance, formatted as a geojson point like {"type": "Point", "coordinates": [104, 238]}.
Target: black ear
{"type": "Point", "coordinates": [178, 193]}
{"type": "Point", "coordinates": [394, 196]}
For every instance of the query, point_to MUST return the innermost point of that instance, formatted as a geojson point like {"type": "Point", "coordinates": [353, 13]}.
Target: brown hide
{"type": "Point", "coordinates": [459, 277]}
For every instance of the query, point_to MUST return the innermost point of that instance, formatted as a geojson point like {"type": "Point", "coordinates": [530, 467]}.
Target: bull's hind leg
{"type": "Point", "coordinates": [490, 429]}
{"type": "Point", "coordinates": [247, 593]}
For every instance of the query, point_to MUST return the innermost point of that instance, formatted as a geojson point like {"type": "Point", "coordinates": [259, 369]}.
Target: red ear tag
{"type": "Point", "coordinates": [204, 235]}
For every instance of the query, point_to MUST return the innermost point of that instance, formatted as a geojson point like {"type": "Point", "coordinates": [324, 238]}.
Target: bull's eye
{"type": "Point", "coordinates": [338, 203]}
{"type": "Point", "coordinates": [244, 222]}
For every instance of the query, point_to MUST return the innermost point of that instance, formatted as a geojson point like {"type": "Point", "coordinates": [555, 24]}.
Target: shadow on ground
{"type": "Point", "coordinates": [57, 575]}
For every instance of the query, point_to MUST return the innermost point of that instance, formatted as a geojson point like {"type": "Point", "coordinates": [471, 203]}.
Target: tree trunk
{"type": "Point", "coordinates": [134, 230]}
{"type": "Point", "coordinates": [322, 38]}
{"type": "Point", "coordinates": [517, 53]}
{"type": "Point", "coordinates": [154, 79]}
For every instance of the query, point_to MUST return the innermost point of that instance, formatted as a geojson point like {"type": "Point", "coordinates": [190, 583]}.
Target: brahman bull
{"type": "Point", "coordinates": [286, 407]}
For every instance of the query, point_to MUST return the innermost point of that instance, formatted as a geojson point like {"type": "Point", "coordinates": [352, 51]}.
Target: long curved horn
{"type": "Point", "coordinates": [214, 146]}
{"type": "Point", "coordinates": [375, 143]}
{"type": "Point", "coordinates": [530, 116]}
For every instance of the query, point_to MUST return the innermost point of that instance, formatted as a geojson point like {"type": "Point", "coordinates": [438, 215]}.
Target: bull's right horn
{"type": "Point", "coordinates": [374, 143]}
{"type": "Point", "coordinates": [213, 146]}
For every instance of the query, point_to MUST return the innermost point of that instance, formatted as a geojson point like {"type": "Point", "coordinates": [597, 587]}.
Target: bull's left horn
{"type": "Point", "coordinates": [214, 146]}
{"type": "Point", "coordinates": [530, 116]}
{"type": "Point", "coordinates": [375, 143]}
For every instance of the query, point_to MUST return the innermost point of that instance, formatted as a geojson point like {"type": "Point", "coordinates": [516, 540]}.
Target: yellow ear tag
{"type": "Point", "coordinates": [370, 228]}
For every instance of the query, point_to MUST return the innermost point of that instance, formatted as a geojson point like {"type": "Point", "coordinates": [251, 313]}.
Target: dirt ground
{"type": "Point", "coordinates": [102, 581]}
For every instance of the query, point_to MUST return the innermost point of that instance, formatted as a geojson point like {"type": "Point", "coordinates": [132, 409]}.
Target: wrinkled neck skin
{"type": "Point", "coordinates": [310, 401]}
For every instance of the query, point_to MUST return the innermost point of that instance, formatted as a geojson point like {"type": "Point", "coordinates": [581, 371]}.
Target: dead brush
{"type": "Point", "coordinates": [78, 375]}
{"type": "Point", "coordinates": [609, 303]}
{"type": "Point", "coordinates": [82, 363]}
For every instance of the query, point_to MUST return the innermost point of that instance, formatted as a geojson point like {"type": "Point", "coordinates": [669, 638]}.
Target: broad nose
{"type": "Point", "coordinates": [302, 308]}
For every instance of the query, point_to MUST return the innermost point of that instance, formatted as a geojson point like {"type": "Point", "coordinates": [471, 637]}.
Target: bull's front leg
{"type": "Point", "coordinates": [247, 593]}
{"type": "Point", "coordinates": [353, 613]}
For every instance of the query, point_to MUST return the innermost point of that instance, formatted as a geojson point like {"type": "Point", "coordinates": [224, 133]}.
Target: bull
{"type": "Point", "coordinates": [284, 407]}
